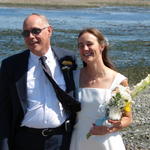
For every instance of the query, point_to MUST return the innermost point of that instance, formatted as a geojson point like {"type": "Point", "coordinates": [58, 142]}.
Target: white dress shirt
{"type": "Point", "coordinates": [44, 109]}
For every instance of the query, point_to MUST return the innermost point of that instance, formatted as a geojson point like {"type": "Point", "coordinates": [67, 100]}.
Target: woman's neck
{"type": "Point", "coordinates": [96, 69]}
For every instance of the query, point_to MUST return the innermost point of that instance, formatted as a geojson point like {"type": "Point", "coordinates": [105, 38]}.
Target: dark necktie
{"type": "Point", "coordinates": [68, 102]}
{"type": "Point", "coordinates": [44, 65]}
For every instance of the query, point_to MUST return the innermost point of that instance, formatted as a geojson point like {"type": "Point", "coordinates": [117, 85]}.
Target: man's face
{"type": "Point", "coordinates": [39, 34]}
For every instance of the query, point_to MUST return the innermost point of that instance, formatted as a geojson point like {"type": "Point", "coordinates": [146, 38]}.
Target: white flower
{"type": "Point", "coordinates": [125, 92]}
{"type": "Point", "coordinates": [115, 113]}
{"type": "Point", "coordinates": [143, 84]}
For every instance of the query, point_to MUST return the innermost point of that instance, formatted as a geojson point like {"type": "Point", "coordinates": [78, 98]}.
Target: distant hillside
{"type": "Point", "coordinates": [75, 3]}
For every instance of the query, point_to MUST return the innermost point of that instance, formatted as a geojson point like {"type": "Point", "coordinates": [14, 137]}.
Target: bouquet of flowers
{"type": "Point", "coordinates": [122, 100]}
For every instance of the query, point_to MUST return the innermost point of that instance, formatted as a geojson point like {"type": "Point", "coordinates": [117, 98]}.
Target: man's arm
{"type": "Point", "coordinates": [4, 144]}
{"type": "Point", "coordinates": [4, 108]}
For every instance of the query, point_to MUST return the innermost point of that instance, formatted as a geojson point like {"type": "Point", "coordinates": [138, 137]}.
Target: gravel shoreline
{"type": "Point", "coordinates": [137, 136]}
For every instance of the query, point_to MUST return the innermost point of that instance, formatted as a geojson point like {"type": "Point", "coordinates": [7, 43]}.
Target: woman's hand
{"type": "Point", "coordinates": [99, 130]}
{"type": "Point", "coordinates": [117, 125]}
{"type": "Point", "coordinates": [125, 121]}
{"type": "Point", "coordinates": [102, 130]}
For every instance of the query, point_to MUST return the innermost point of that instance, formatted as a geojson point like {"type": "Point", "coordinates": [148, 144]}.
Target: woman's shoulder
{"type": "Point", "coordinates": [123, 79]}
{"type": "Point", "coordinates": [117, 74]}
{"type": "Point", "coordinates": [119, 79]}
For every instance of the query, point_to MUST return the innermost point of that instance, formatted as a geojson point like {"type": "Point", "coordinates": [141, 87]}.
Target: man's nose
{"type": "Point", "coordinates": [31, 35]}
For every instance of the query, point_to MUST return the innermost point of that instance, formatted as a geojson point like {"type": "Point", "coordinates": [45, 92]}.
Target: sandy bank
{"type": "Point", "coordinates": [74, 3]}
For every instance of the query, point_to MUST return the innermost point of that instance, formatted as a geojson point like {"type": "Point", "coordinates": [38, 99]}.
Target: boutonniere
{"type": "Point", "coordinates": [68, 63]}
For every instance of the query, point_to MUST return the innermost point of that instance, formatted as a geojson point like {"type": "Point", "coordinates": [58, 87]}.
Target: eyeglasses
{"type": "Point", "coordinates": [34, 31]}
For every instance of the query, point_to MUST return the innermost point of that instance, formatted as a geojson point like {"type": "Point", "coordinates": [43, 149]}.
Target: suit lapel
{"type": "Point", "coordinates": [61, 54]}
{"type": "Point", "coordinates": [21, 78]}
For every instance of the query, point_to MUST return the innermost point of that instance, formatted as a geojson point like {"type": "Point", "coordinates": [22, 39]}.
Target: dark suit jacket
{"type": "Point", "coordinates": [13, 94]}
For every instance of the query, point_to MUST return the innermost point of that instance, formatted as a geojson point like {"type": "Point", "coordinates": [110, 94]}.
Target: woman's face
{"type": "Point", "coordinates": [89, 47]}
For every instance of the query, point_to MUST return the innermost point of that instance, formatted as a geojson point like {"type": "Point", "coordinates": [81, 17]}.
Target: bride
{"type": "Point", "coordinates": [95, 83]}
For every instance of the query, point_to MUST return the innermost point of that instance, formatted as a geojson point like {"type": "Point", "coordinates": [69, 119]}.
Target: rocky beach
{"type": "Point", "coordinates": [137, 136]}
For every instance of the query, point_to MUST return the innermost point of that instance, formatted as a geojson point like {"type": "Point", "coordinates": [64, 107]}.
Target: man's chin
{"type": "Point", "coordinates": [36, 51]}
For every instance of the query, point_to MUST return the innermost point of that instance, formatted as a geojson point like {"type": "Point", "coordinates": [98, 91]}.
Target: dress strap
{"type": "Point", "coordinates": [118, 79]}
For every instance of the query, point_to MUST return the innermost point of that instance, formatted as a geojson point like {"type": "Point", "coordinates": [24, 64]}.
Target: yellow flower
{"type": "Point", "coordinates": [127, 107]}
{"type": "Point", "coordinates": [65, 62]}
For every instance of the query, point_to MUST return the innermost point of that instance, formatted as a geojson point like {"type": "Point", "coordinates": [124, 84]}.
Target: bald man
{"type": "Point", "coordinates": [31, 114]}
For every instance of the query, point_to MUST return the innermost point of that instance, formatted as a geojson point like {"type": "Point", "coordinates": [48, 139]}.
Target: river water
{"type": "Point", "coordinates": [127, 29]}
{"type": "Point", "coordinates": [128, 32]}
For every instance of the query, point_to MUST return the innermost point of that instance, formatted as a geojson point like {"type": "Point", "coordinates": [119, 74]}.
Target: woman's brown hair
{"type": "Point", "coordinates": [101, 39]}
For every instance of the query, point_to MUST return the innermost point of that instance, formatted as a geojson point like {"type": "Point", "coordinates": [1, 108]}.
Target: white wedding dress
{"type": "Point", "coordinates": [93, 102]}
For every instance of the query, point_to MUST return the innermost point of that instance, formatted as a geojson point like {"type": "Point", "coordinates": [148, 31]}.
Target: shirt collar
{"type": "Point", "coordinates": [34, 58]}
{"type": "Point", "coordinates": [50, 56]}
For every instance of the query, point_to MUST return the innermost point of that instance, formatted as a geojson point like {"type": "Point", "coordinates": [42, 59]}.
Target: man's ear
{"type": "Point", "coordinates": [50, 29]}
